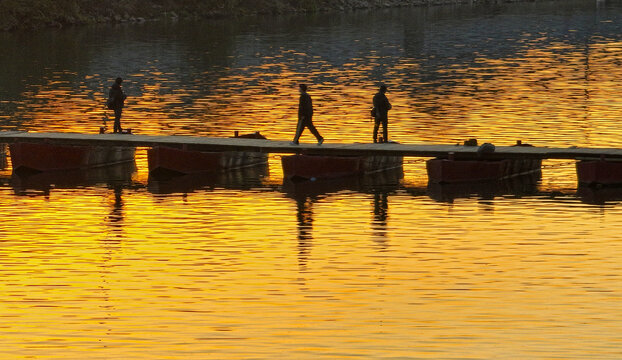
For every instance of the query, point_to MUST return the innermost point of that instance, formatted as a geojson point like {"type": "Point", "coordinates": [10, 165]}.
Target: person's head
{"type": "Point", "coordinates": [303, 87]}
{"type": "Point", "coordinates": [383, 88]}
{"type": "Point", "coordinates": [118, 81]}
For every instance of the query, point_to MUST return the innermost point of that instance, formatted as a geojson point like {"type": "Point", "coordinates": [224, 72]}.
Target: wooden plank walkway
{"type": "Point", "coordinates": [284, 147]}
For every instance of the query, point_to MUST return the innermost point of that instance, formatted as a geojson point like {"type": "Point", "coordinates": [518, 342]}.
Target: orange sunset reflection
{"type": "Point", "coordinates": [115, 263]}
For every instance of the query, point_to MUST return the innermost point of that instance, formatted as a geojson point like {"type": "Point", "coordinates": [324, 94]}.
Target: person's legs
{"type": "Point", "coordinates": [385, 130]}
{"type": "Point", "coordinates": [376, 125]}
{"type": "Point", "coordinates": [299, 129]}
{"type": "Point", "coordinates": [117, 120]}
{"type": "Point", "coordinates": [314, 131]}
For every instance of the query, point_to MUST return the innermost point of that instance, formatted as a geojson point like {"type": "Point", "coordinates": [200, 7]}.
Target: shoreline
{"type": "Point", "coordinates": [62, 13]}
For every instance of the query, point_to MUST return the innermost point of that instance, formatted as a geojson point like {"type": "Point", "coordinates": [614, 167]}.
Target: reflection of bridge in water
{"type": "Point", "coordinates": [381, 186]}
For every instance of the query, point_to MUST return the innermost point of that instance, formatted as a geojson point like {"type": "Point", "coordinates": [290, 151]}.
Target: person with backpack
{"type": "Point", "coordinates": [381, 114]}
{"type": "Point", "coordinates": [116, 100]}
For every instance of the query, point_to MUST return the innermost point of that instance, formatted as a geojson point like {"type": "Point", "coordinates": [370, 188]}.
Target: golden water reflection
{"type": "Point", "coordinates": [512, 99]}
{"type": "Point", "coordinates": [116, 264]}
{"type": "Point", "coordinates": [231, 281]}
{"type": "Point", "coordinates": [552, 93]}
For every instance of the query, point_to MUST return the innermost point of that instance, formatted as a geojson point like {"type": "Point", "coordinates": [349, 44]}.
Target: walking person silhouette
{"type": "Point", "coordinates": [305, 117]}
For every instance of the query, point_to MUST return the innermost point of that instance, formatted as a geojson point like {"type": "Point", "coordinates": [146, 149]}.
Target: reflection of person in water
{"type": "Point", "coordinates": [304, 214]}
{"type": "Point", "coordinates": [116, 216]}
{"type": "Point", "coordinates": [381, 208]}
{"type": "Point", "coordinates": [381, 204]}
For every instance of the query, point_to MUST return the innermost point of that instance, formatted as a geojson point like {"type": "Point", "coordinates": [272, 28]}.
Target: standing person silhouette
{"type": "Point", "coordinates": [116, 100]}
{"type": "Point", "coordinates": [305, 117]}
{"type": "Point", "coordinates": [382, 106]}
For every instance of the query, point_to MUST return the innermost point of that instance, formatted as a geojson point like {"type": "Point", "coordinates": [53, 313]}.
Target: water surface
{"type": "Point", "coordinates": [113, 264]}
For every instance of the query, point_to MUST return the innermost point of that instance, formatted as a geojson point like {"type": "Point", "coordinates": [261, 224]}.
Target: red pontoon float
{"type": "Point", "coordinates": [450, 170]}
{"type": "Point", "coordinates": [599, 172]}
{"type": "Point", "coordinates": [53, 157]}
{"type": "Point", "coordinates": [326, 167]}
{"type": "Point", "coordinates": [166, 159]}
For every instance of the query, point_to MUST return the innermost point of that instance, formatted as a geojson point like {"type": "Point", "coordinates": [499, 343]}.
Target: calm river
{"type": "Point", "coordinates": [115, 265]}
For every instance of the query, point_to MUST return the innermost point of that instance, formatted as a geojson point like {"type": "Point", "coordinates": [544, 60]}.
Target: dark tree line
{"type": "Point", "coordinates": [35, 14]}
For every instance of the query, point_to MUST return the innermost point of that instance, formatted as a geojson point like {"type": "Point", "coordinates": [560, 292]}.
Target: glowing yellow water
{"type": "Point", "coordinates": [232, 268]}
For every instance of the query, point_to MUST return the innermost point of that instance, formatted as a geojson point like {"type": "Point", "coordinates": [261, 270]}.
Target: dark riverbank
{"type": "Point", "coordinates": [36, 14]}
